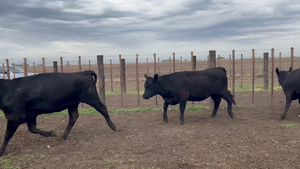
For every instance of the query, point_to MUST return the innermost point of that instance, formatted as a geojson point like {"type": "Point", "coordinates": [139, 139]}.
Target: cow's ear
{"type": "Point", "coordinates": [146, 76]}
{"type": "Point", "coordinates": [290, 69]}
{"type": "Point", "coordinates": [277, 71]}
{"type": "Point", "coordinates": [155, 77]}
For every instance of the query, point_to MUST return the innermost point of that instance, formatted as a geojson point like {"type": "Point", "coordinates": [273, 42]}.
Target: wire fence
{"type": "Point", "coordinates": [124, 81]}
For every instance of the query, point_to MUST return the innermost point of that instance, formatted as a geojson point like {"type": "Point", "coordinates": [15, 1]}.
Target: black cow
{"type": "Point", "coordinates": [289, 81]}
{"type": "Point", "coordinates": [181, 87]}
{"type": "Point", "coordinates": [23, 99]}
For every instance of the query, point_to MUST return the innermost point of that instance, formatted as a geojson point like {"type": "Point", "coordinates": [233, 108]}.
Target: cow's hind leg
{"type": "Point", "coordinates": [94, 101]}
{"type": "Point", "coordinates": [182, 106]}
{"type": "Point", "coordinates": [165, 111]}
{"type": "Point", "coordinates": [229, 98]}
{"type": "Point", "coordinates": [31, 124]}
{"type": "Point", "coordinates": [217, 101]}
{"type": "Point", "coordinates": [288, 102]}
{"type": "Point", "coordinates": [11, 128]}
{"type": "Point", "coordinates": [73, 116]}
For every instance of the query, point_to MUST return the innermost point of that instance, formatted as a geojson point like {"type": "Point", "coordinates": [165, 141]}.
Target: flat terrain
{"type": "Point", "coordinates": [255, 138]}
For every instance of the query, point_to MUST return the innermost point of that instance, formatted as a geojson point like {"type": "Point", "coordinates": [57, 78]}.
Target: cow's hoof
{"type": "Point", "coordinates": [112, 126]}
{"type": "Point", "coordinates": [180, 122]}
{"type": "Point", "coordinates": [1, 152]}
{"type": "Point", "coordinates": [213, 115]}
{"type": "Point", "coordinates": [166, 119]}
{"type": "Point", "coordinates": [282, 116]}
{"type": "Point", "coordinates": [231, 115]}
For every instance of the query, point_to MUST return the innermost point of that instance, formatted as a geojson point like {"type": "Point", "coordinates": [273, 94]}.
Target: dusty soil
{"type": "Point", "coordinates": [255, 138]}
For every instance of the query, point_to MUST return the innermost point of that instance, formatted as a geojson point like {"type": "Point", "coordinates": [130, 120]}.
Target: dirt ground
{"type": "Point", "coordinates": [255, 138]}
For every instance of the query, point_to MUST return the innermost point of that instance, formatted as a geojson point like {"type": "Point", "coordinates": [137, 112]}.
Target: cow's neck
{"type": "Point", "coordinates": [163, 90]}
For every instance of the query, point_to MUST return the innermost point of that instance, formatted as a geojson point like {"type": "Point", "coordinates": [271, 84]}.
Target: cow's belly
{"type": "Point", "coordinates": [197, 98]}
{"type": "Point", "coordinates": [295, 96]}
{"type": "Point", "coordinates": [176, 100]}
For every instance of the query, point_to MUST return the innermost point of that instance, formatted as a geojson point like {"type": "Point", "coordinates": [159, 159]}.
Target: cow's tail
{"type": "Point", "coordinates": [93, 74]}
{"type": "Point", "coordinates": [231, 96]}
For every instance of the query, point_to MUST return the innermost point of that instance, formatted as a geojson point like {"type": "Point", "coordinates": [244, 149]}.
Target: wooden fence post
{"type": "Point", "coordinates": [279, 60]}
{"type": "Point", "coordinates": [241, 70]}
{"type": "Point", "coordinates": [123, 76]}
{"type": "Point", "coordinates": [101, 78]}
{"type": "Point", "coordinates": [233, 73]}
{"type": "Point", "coordinates": [25, 68]}
{"type": "Point", "coordinates": [122, 98]}
{"type": "Point", "coordinates": [7, 69]}
{"type": "Point", "coordinates": [68, 65]}
{"type": "Point", "coordinates": [272, 74]}
{"type": "Point", "coordinates": [14, 70]}
{"type": "Point", "coordinates": [89, 64]}
{"type": "Point", "coordinates": [155, 73]}
{"type": "Point", "coordinates": [192, 65]}
{"type": "Point", "coordinates": [219, 60]}
{"type": "Point", "coordinates": [266, 71]}
{"type": "Point", "coordinates": [158, 68]}
{"type": "Point", "coordinates": [253, 73]}
{"type": "Point", "coordinates": [33, 68]}
{"type": "Point", "coordinates": [44, 66]}
{"type": "Point", "coordinates": [181, 63]}
{"type": "Point", "coordinates": [55, 69]}
{"type": "Point", "coordinates": [79, 64]}
{"type": "Point", "coordinates": [111, 77]}
{"type": "Point", "coordinates": [173, 62]}
{"type": "Point", "coordinates": [229, 70]}
{"type": "Point", "coordinates": [61, 65]}
{"type": "Point", "coordinates": [212, 64]}
{"type": "Point", "coordinates": [137, 78]}
{"type": "Point", "coordinates": [292, 57]}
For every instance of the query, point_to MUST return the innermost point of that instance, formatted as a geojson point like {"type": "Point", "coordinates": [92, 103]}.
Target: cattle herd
{"type": "Point", "coordinates": [23, 99]}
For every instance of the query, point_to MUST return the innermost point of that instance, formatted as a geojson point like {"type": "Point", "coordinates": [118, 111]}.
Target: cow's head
{"type": "Point", "coordinates": [151, 86]}
{"type": "Point", "coordinates": [281, 75]}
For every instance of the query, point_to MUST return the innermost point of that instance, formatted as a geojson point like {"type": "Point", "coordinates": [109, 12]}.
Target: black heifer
{"type": "Point", "coordinates": [290, 83]}
{"type": "Point", "coordinates": [181, 87]}
{"type": "Point", "coordinates": [23, 99]}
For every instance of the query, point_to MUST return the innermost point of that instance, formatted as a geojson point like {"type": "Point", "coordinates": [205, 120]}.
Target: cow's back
{"type": "Point", "coordinates": [49, 90]}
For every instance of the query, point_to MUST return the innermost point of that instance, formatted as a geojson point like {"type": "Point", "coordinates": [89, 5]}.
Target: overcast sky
{"type": "Point", "coordinates": [34, 29]}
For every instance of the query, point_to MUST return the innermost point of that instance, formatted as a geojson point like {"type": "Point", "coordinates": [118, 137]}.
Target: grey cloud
{"type": "Point", "coordinates": [193, 21]}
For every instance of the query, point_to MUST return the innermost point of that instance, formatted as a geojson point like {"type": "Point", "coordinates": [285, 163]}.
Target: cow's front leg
{"type": "Point", "coordinates": [73, 116]}
{"type": "Point", "coordinates": [11, 128]}
{"type": "Point", "coordinates": [287, 104]}
{"type": "Point", "coordinates": [31, 124]}
{"type": "Point", "coordinates": [182, 108]}
{"type": "Point", "coordinates": [165, 111]}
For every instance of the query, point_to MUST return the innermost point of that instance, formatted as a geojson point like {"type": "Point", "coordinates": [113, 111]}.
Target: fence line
{"type": "Point", "coordinates": [164, 68]}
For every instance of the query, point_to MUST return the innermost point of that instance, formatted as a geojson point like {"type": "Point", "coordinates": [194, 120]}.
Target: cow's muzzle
{"type": "Point", "coordinates": [146, 97]}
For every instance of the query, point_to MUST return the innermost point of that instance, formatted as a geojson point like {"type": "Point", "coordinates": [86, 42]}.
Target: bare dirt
{"type": "Point", "coordinates": [255, 138]}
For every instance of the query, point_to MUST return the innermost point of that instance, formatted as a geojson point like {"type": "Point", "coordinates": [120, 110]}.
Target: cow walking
{"type": "Point", "coordinates": [289, 81]}
{"type": "Point", "coordinates": [181, 87]}
{"type": "Point", "coordinates": [23, 99]}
